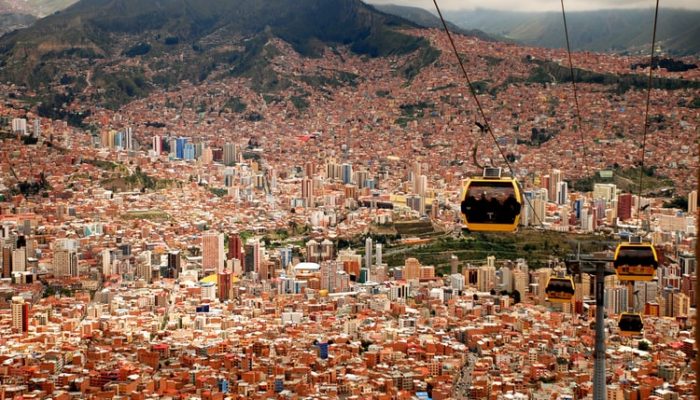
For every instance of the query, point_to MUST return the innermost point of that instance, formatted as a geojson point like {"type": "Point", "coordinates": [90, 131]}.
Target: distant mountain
{"type": "Point", "coordinates": [425, 19]}
{"type": "Point", "coordinates": [37, 8]}
{"type": "Point", "coordinates": [618, 31]}
{"type": "Point", "coordinates": [11, 22]}
{"type": "Point", "coordinates": [130, 46]}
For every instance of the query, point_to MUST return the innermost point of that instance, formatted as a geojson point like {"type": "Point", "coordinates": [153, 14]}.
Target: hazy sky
{"type": "Point", "coordinates": [539, 5]}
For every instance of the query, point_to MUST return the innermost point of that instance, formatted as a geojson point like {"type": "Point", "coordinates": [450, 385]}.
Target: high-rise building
{"type": "Point", "coordinates": [212, 251]}
{"type": "Point", "coordinates": [486, 278]}
{"type": "Point", "coordinates": [313, 251]}
{"type": "Point", "coordinates": [554, 180]}
{"type": "Point", "coordinates": [346, 173]}
{"type": "Point", "coordinates": [19, 259]}
{"type": "Point", "coordinates": [521, 282]}
{"type": "Point", "coordinates": [144, 269]}
{"type": "Point", "coordinates": [562, 193]}
{"type": "Point", "coordinates": [235, 247]}
{"type": "Point", "coordinates": [368, 253]}
{"type": "Point", "coordinates": [174, 262]}
{"type": "Point", "coordinates": [189, 152]}
{"type": "Point", "coordinates": [327, 250]}
{"type": "Point", "coordinates": [285, 257]}
{"type": "Point", "coordinates": [157, 144]}
{"type": "Point", "coordinates": [604, 191]}
{"type": "Point", "coordinates": [65, 262]}
{"type": "Point", "coordinates": [37, 128]}
{"type": "Point", "coordinates": [309, 169]}
{"type": "Point", "coordinates": [129, 139]}
{"type": "Point", "coordinates": [224, 283]}
{"type": "Point", "coordinates": [6, 261]}
{"type": "Point", "coordinates": [624, 206]}
{"type": "Point", "coordinates": [20, 315]}
{"type": "Point", "coordinates": [693, 202]}
{"type": "Point", "coordinates": [378, 249]}
{"type": "Point", "coordinates": [19, 126]}
{"type": "Point", "coordinates": [230, 154]}
{"type": "Point", "coordinates": [307, 191]}
{"type": "Point", "coordinates": [411, 269]}
{"type": "Point", "coordinates": [252, 256]}
{"type": "Point", "coordinates": [329, 273]}
{"type": "Point", "coordinates": [180, 147]}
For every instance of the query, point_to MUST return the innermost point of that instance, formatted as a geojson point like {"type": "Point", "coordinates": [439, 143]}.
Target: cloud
{"type": "Point", "coordinates": [538, 5]}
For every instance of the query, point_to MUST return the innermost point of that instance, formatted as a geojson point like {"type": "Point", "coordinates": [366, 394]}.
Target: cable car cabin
{"type": "Point", "coordinates": [560, 290]}
{"type": "Point", "coordinates": [491, 203]}
{"type": "Point", "coordinates": [636, 262]}
{"type": "Point", "coordinates": [630, 324]}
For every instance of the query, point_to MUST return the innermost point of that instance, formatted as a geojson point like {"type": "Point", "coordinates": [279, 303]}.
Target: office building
{"type": "Point", "coordinates": [65, 263]}
{"type": "Point", "coordinates": [20, 315]}
{"type": "Point", "coordinates": [212, 252]}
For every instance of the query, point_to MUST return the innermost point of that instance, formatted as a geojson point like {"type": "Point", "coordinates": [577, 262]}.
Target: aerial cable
{"type": "Point", "coordinates": [487, 125]}
{"type": "Point", "coordinates": [573, 82]}
{"type": "Point", "coordinates": [646, 114]}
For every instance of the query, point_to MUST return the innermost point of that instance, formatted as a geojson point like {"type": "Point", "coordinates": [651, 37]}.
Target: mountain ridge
{"type": "Point", "coordinates": [426, 19]}
{"type": "Point", "coordinates": [130, 46]}
{"type": "Point", "coordinates": [617, 30]}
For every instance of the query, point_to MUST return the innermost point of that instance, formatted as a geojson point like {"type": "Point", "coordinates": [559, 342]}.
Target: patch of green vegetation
{"type": "Point", "coordinates": [57, 290]}
{"type": "Point", "coordinates": [536, 247]}
{"type": "Point", "coordinates": [54, 107]}
{"type": "Point", "coordinates": [443, 87]}
{"type": "Point", "coordinates": [218, 192]}
{"type": "Point", "coordinates": [101, 164]}
{"type": "Point", "coordinates": [382, 93]}
{"type": "Point", "coordinates": [340, 78]}
{"type": "Point", "coordinates": [271, 98]}
{"type": "Point", "coordinates": [539, 136]}
{"type": "Point", "coordinates": [491, 61]}
{"type": "Point", "coordinates": [151, 215]}
{"type": "Point", "coordinates": [413, 111]}
{"type": "Point", "coordinates": [680, 202]}
{"type": "Point", "coordinates": [235, 104]}
{"type": "Point", "coordinates": [550, 72]}
{"type": "Point", "coordinates": [139, 49]}
{"type": "Point", "coordinates": [627, 180]}
{"type": "Point", "coordinates": [300, 102]}
{"type": "Point", "coordinates": [426, 56]}
{"type": "Point", "coordinates": [121, 87]}
{"type": "Point", "coordinates": [26, 188]}
{"type": "Point", "coordinates": [481, 86]}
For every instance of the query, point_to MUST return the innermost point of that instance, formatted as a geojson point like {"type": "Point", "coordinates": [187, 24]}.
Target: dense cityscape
{"type": "Point", "coordinates": [209, 241]}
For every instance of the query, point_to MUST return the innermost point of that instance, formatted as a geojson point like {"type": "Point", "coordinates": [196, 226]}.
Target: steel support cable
{"type": "Point", "coordinates": [573, 82]}
{"type": "Point", "coordinates": [487, 125]}
{"type": "Point", "coordinates": [646, 113]}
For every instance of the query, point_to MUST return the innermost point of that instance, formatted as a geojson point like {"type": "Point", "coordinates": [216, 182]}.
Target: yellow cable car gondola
{"type": "Point", "coordinates": [491, 203]}
{"type": "Point", "coordinates": [630, 324]}
{"type": "Point", "coordinates": [636, 261]}
{"type": "Point", "coordinates": [560, 290]}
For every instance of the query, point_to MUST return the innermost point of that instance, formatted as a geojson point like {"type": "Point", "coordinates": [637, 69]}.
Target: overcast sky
{"type": "Point", "coordinates": [540, 5]}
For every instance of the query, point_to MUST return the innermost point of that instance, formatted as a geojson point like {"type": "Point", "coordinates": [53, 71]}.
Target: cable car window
{"type": "Point", "coordinates": [491, 203]}
{"type": "Point", "coordinates": [630, 323]}
{"type": "Point", "coordinates": [635, 256]}
{"type": "Point", "coordinates": [560, 290]}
